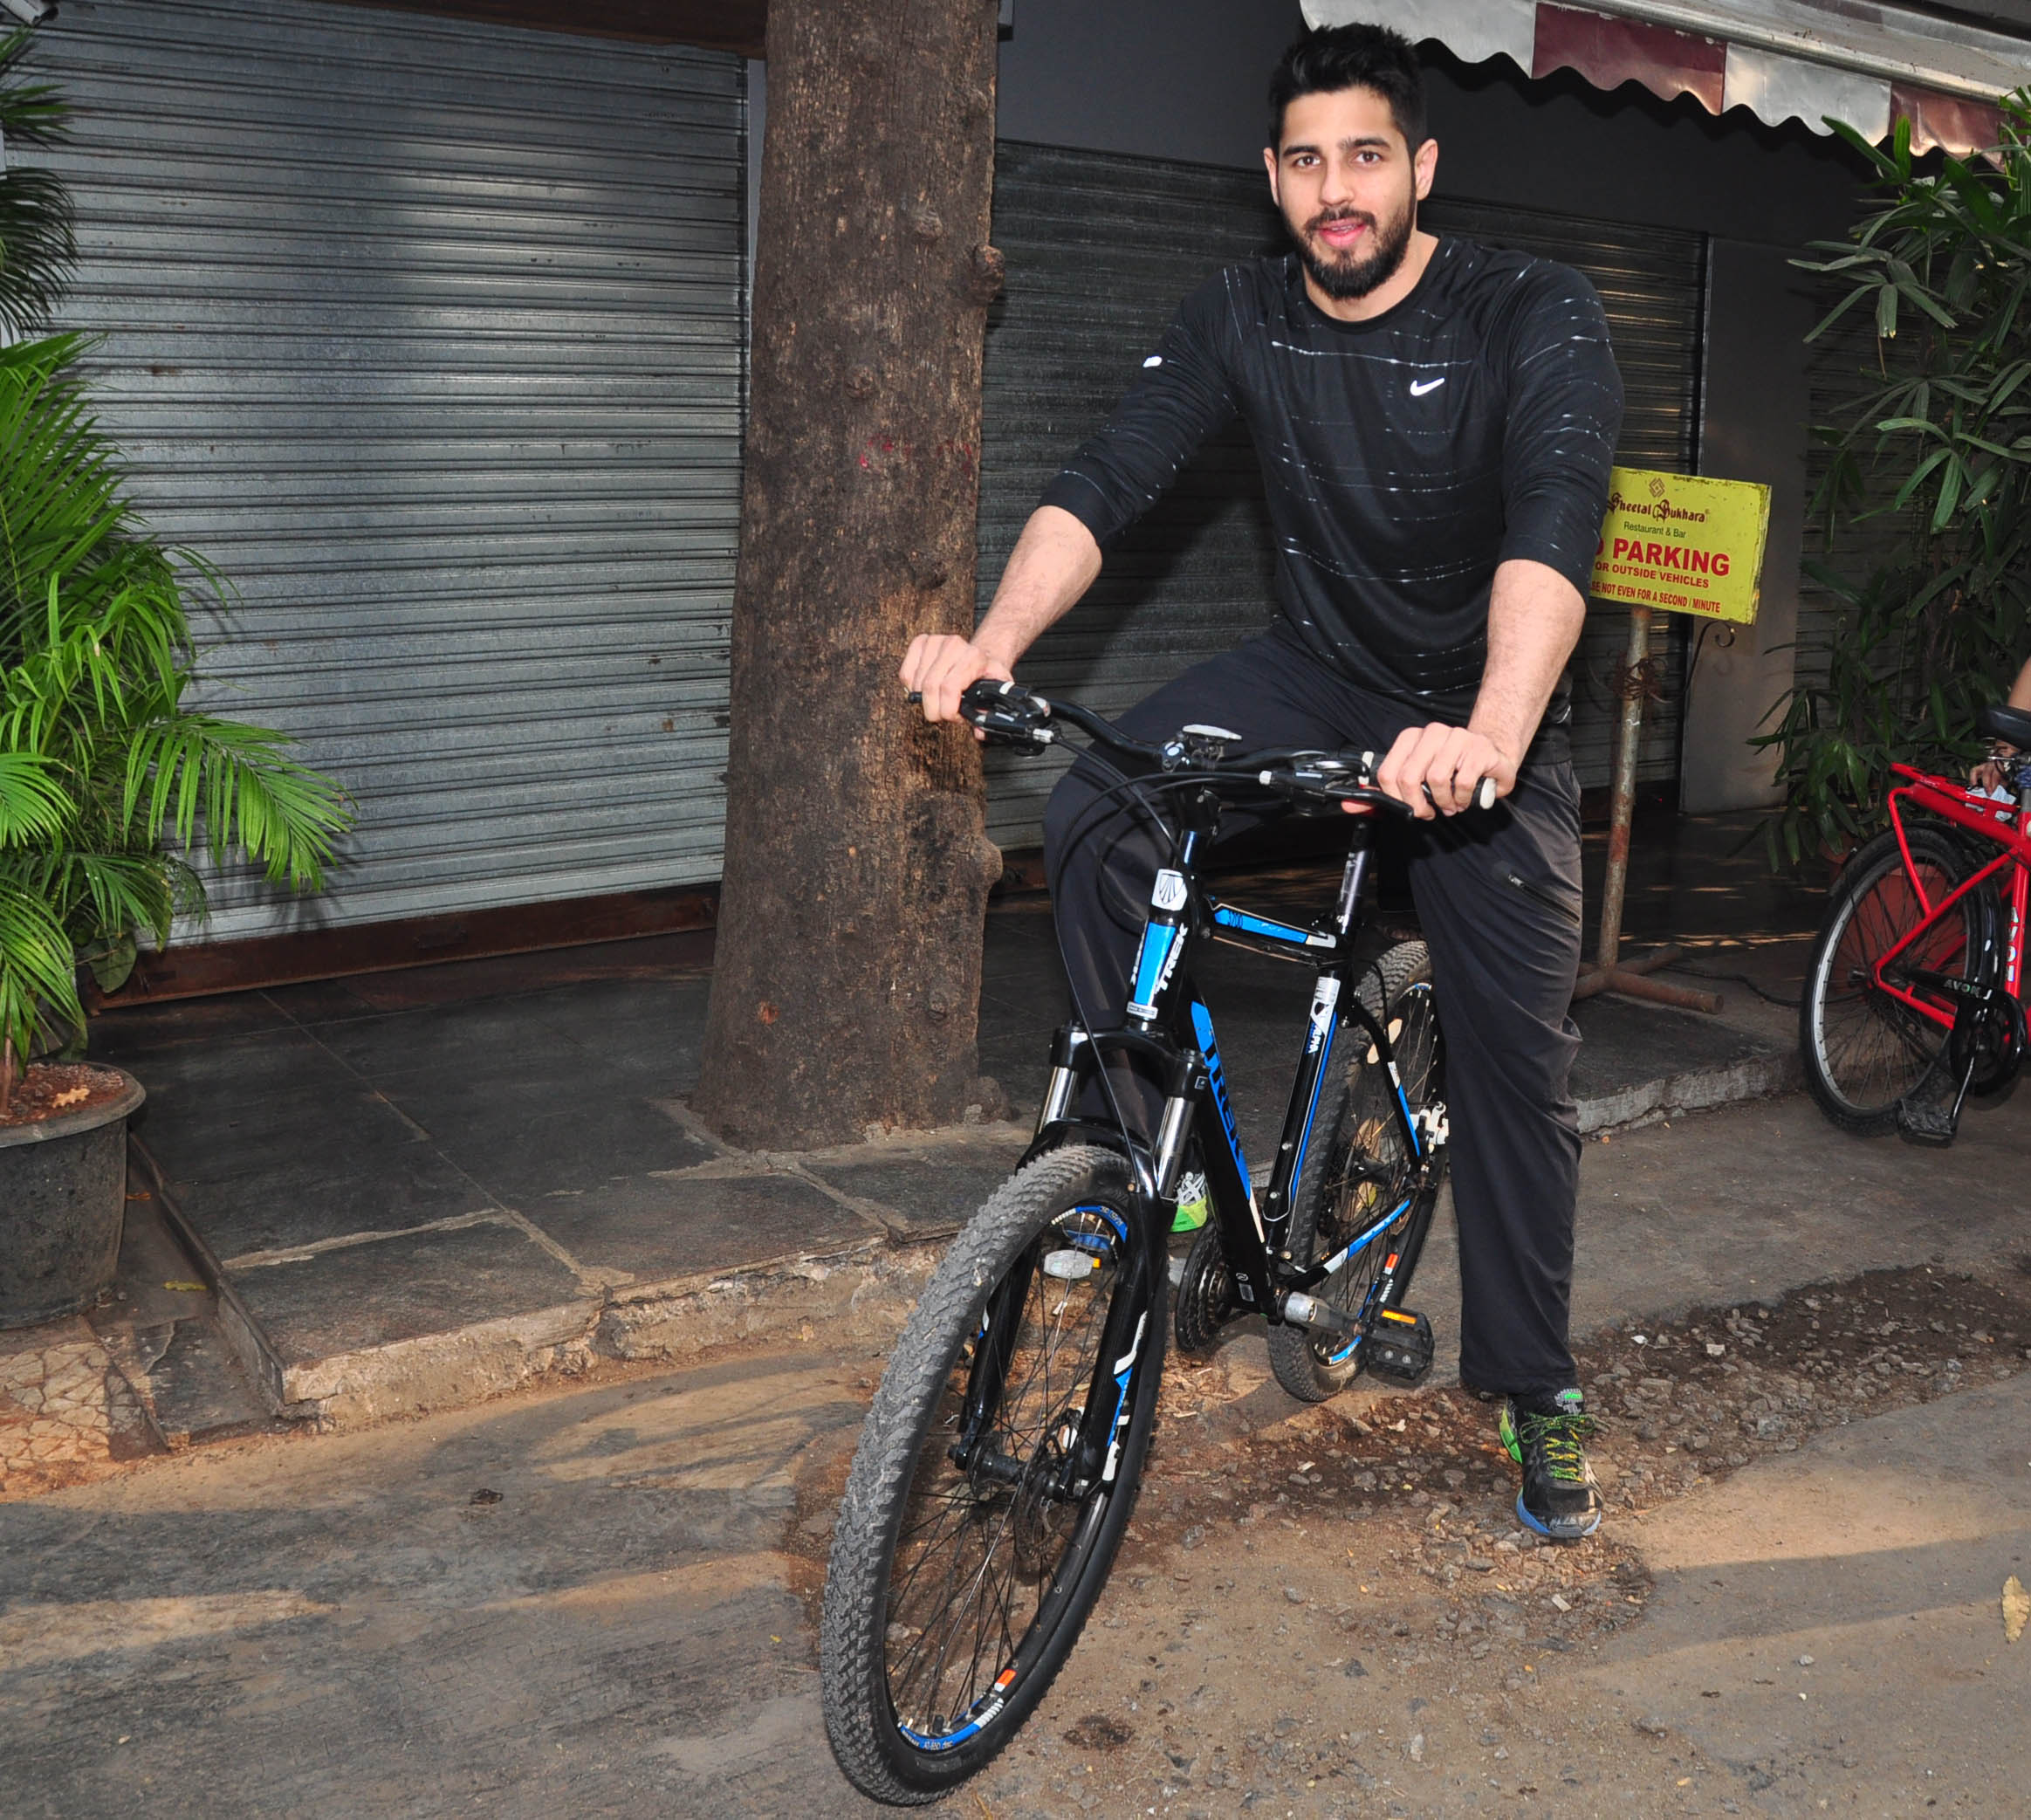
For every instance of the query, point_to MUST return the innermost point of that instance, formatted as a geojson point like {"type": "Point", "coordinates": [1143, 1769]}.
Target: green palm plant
{"type": "Point", "coordinates": [37, 247]}
{"type": "Point", "coordinates": [1928, 495]}
{"type": "Point", "coordinates": [106, 773]}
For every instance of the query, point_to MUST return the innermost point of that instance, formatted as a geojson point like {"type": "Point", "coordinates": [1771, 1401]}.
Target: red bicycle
{"type": "Point", "coordinates": [1914, 1002]}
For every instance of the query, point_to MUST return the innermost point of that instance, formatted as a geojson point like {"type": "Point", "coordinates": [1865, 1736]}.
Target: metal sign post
{"type": "Point", "coordinates": [1608, 972]}
{"type": "Point", "coordinates": [1683, 544]}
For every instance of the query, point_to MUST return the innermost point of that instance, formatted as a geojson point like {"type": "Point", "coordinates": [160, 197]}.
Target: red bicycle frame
{"type": "Point", "coordinates": [1993, 821]}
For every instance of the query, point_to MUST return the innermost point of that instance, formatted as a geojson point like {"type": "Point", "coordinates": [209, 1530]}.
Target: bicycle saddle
{"type": "Point", "coordinates": [2013, 725]}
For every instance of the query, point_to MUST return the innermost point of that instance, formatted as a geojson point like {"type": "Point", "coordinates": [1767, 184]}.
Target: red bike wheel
{"type": "Point", "coordinates": [1863, 1048]}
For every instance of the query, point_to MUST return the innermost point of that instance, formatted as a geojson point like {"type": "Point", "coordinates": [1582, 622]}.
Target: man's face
{"type": "Point", "coordinates": [1348, 186]}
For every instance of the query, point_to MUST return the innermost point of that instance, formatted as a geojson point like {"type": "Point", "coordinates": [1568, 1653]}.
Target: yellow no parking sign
{"type": "Point", "coordinates": [1682, 543]}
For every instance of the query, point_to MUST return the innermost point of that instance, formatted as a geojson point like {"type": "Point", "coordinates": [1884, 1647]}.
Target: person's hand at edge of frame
{"type": "Point", "coordinates": [1989, 774]}
{"type": "Point", "coordinates": [1450, 761]}
{"type": "Point", "coordinates": [940, 665]}
{"type": "Point", "coordinates": [1992, 773]}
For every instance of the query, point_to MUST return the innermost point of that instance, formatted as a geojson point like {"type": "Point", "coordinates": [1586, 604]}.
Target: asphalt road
{"type": "Point", "coordinates": [596, 1600]}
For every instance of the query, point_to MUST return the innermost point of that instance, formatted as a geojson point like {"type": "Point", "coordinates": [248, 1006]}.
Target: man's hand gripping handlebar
{"type": "Point", "coordinates": [1007, 714]}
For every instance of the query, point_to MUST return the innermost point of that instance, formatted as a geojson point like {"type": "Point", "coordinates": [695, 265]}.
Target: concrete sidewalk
{"type": "Point", "coordinates": [414, 1190]}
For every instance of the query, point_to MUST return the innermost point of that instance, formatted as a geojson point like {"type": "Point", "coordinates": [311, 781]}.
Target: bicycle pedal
{"type": "Point", "coordinates": [1398, 1345]}
{"type": "Point", "coordinates": [1926, 1121]}
{"type": "Point", "coordinates": [1929, 1113]}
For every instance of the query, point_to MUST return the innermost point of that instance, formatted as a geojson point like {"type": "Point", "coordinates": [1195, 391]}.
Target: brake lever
{"type": "Point", "coordinates": [1323, 779]}
{"type": "Point", "coordinates": [1003, 726]}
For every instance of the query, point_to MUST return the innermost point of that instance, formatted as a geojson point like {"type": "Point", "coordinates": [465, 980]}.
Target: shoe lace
{"type": "Point", "coordinates": [1557, 1441]}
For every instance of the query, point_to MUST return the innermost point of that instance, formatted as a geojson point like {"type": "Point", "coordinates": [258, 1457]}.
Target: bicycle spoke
{"type": "Point", "coordinates": [1376, 1173]}
{"type": "Point", "coordinates": [971, 1565]}
{"type": "Point", "coordinates": [1873, 1047]}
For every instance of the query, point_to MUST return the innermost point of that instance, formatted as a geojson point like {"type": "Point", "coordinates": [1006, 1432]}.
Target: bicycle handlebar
{"type": "Point", "coordinates": [1010, 715]}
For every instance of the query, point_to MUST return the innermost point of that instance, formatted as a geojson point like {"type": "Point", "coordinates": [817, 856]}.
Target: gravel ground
{"type": "Point", "coordinates": [1334, 1611]}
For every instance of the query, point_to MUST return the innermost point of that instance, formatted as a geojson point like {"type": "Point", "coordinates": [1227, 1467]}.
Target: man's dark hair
{"type": "Point", "coordinates": [1339, 57]}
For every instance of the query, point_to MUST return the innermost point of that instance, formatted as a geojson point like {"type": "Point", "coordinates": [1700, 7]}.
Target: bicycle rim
{"type": "Point", "coordinates": [989, 1557]}
{"type": "Point", "coordinates": [1869, 1048]}
{"type": "Point", "coordinates": [1369, 1195]}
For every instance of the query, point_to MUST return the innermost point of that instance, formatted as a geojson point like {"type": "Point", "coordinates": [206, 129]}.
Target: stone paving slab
{"type": "Point", "coordinates": [922, 1193]}
{"type": "Point", "coordinates": [1640, 1061]}
{"type": "Point", "coordinates": [352, 1298]}
{"type": "Point", "coordinates": [285, 1207]}
{"type": "Point", "coordinates": [415, 1198]}
{"type": "Point", "coordinates": [712, 1219]}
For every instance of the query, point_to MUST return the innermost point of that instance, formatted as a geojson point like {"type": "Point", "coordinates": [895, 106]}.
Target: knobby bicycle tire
{"type": "Point", "coordinates": [1863, 1050]}
{"type": "Point", "coordinates": [1357, 1177]}
{"type": "Point", "coordinates": [918, 1696]}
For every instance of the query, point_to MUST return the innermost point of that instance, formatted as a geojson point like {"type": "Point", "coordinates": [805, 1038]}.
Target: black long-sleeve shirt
{"type": "Point", "coordinates": [1404, 457]}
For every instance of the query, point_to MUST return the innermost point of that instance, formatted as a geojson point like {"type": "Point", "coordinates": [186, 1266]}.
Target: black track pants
{"type": "Point", "coordinates": [1498, 895]}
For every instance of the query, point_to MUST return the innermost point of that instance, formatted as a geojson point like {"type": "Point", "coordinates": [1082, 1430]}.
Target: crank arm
{"type": "Point", "coordinates": [1321, 1317]}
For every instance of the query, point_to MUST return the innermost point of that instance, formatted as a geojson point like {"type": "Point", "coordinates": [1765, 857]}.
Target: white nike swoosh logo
{"type": "Point", "coordinates": [1420, 386]}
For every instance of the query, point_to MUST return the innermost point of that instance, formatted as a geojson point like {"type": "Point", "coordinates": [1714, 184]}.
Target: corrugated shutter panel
{"type": "Point", "coordinates": [1843, 371]}
{"type": "Point", "coordinates": [1652, 281]}
{"type": "Point", "coordinates": [1100, 250]}
{"type": "Point", "coordinates": [429, 335]}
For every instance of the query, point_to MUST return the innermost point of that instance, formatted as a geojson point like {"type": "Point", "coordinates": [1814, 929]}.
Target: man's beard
{"type": "Point", "coordinates": [1344, 279]}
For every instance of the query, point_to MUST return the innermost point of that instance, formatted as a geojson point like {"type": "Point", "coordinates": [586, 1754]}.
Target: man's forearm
{"type": "Point", "coordinates": [1535, 617]}
{"type": "Point", "coordinates": [1052, 565]}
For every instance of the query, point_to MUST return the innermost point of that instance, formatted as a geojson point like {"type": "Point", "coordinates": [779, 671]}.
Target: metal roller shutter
{"type": "Point", "coordinates": [1100, 250]}
{"type": "Point", "coordinates": [1843, 371]}
{"type": "Point", "coordinates": [1652, 283]}
{"type": "Point", "coordinates": [429, 335]}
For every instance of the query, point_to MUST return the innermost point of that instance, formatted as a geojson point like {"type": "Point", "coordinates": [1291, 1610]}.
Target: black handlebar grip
{"type": "Point", "coordinates": [915, 698]}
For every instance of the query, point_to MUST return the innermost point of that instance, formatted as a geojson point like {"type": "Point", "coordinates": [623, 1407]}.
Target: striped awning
{"type": "Point", "coordinates": [1811, 60]}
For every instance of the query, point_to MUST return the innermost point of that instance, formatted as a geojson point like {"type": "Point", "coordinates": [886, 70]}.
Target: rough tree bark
{"type": "Point", "coordinates": [846, 988]}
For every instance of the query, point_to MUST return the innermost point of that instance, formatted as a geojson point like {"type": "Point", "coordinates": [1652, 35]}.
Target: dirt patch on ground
{"type": "Point", "coordinates": [1679, 1403]}
{"type": "Point", "coordinates": [1333, 1610]}
{"type": "Point", "coordinates": [1339, 1612]}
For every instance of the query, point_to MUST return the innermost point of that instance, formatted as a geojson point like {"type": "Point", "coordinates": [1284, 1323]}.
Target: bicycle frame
{"type": "Point", "coordinates": [2001, 824]}
{"type": "Point", "coordinates": [1171, 1026]}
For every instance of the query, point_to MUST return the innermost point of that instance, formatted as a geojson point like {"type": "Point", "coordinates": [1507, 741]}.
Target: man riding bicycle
{"type": "Point", "coordinates": [1435, 421]}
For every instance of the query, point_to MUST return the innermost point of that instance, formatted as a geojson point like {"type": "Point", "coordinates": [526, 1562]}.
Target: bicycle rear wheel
{"type": "Point", "coordinates": [1357, 1186]}
{"type": "Point", "coordinates": [1865, 1050]}
{"type": "Point", "coordinates": [974, 1538]}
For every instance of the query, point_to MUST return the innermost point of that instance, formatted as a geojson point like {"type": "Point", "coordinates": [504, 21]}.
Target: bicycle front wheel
{"type": "Point", "coordinates": [983, 1508]}
{"type": "Point", "coordinates": [1864, 1049]}
{"type": "Point", "coordinates": [1356, 1189]}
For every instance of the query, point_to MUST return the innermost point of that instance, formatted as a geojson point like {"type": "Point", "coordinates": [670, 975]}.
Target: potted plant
{"type": "Point", "coordinates": [109, 775]}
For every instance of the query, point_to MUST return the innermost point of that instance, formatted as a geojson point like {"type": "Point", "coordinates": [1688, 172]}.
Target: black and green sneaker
{"type": "Point", "coordinates": [1560, 1498]}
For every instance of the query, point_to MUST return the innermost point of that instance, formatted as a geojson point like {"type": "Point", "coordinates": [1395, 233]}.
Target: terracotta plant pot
{"type": "Point", "coordinates": [63, 1199]}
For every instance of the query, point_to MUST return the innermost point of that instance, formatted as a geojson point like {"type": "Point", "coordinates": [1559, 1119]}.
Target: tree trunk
{"type": "Point", "coordinates": [847, 985]}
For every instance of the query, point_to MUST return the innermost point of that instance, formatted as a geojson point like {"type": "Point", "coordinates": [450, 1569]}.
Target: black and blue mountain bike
{"type": "Point", "coordinates": [999, 1462]}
